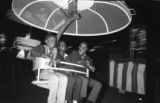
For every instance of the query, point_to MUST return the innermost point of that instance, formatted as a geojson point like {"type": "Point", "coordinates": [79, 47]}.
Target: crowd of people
{"type": "Point", "coordinates": [64, 86]}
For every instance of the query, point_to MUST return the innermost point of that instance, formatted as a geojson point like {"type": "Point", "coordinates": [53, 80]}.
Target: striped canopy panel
{"type": "Point", "coordinates": [97, 17]}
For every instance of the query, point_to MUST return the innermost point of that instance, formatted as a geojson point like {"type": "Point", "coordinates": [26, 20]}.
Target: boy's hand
{"type": "Point", "coordinates": [58, 61]}
{"type": "Point", "coordinates": [92, 68]}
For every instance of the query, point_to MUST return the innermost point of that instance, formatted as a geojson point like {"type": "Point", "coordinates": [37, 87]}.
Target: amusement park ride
{"type": "Point", "coordinates": [69, 17]}
{"type": "Point", "coordinates": [95, 18]}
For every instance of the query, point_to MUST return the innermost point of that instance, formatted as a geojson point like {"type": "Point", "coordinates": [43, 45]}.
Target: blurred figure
{"type": "Point", "coordinates": [57, 81]}
{"type": "Point", "coordinates": [3, 40]}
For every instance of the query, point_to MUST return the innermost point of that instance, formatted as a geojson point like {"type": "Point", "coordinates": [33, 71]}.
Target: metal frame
{"type": "Point", "coordinates": [44, 83]}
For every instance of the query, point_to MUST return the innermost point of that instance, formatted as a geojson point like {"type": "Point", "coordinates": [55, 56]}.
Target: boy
{"type": "Point", "coordinates": [80, 57]}
{"type": "Point", "coordinates": [57, 81]}
{"type": "Point", "coordinates": [74, 82]}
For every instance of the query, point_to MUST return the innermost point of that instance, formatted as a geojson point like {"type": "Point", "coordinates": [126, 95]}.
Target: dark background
{"type": "Point", "coordinates": [146, 15]}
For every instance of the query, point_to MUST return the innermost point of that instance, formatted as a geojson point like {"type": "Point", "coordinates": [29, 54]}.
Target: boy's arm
{"type": "Point", "coordinates": [89, 63]}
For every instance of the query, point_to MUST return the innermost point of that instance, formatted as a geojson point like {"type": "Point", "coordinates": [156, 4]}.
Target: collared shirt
{"type": "Point", "coordinates": [52, 53]}
{"type": "Point", "coordinates": [75, 57]}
